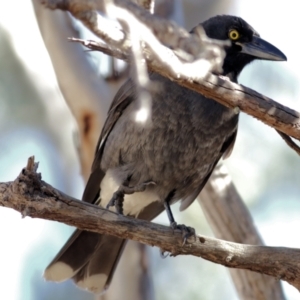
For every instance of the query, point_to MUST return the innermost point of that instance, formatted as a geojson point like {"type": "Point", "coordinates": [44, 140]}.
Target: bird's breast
{"type": "Point", "coordinates": [177, 149]}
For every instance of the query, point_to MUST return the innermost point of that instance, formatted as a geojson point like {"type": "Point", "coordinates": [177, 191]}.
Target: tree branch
{"type": "Point", "coordinates": [88, 100]}
{"type": "Point", "coordinates": [228, 93]}
{"type": "Point", "coordinates": [183, 68]}
{"type": "Point", "coordinates": [167, 32]}
{"type": "Point", "coordinates": [33, 197]}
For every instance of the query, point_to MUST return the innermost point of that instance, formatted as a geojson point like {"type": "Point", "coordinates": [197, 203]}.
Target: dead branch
{"type": "Point", "coordinates": [33, 197]}
{"type": "Point", "coordinates": [168, 33]}
{"type": "Point", "coordinates": [230, 94]}
{"type": "Point", "coordinates": [289, 141]}
{"type": "Point", "coordinates": [227, 93]}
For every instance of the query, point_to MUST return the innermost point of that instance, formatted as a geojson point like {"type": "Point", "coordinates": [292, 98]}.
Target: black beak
{"type": "Point", "coordinates": [261, 49]}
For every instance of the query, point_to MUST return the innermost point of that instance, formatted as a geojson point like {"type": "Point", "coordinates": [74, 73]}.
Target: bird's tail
{"type": "Point", "coordinates": [89, 259]}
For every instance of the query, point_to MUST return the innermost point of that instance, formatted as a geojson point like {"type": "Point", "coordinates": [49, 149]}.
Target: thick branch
{"type": "Point", "coordinates": [33, 197]}
{"type": "Point", "coordinates": [167, 32]}
{"type": "Point", "coordinates": [87, 99]}
{"type": "Point", "coordinates": [228, 93]}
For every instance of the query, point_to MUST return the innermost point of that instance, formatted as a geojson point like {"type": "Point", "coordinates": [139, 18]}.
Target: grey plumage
{"type": "Point", "coordinates": [160, 153]}
{"type": "Point", "coordinates": [177, 150]}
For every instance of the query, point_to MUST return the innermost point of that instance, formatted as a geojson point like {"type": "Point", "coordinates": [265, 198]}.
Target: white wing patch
{"type": "Point", "coordinates": [133, 204]}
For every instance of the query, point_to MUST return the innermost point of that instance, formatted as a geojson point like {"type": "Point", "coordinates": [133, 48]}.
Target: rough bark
{"type": "Point", "coordinates": [230, 94]}
{"type": "Point", "coordinates": [33, 197]}
{"type": "Point", "coordinates": [166, 62]}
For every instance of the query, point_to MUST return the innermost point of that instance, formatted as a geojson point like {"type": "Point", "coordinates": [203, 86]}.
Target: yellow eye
{"type": "Point", "coordinates": [234, 34]}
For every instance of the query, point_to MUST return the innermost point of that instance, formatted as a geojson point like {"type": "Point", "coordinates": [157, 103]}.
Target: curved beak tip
{"type": "Point", "coordinates": [284, 58]}
{"type": "Point", "coordinates": [262, 49]}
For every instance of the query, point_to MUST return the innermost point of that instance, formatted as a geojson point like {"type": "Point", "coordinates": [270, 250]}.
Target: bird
{"type": "Point", "coordinates": [141, 169]}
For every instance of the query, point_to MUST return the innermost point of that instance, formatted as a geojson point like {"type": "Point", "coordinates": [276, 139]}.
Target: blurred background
{"type": "Point", "coordinates": [35, 120]}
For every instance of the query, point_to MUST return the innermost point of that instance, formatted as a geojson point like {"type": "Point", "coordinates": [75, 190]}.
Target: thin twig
{"type": "Point", "coordinates": [289, 142]}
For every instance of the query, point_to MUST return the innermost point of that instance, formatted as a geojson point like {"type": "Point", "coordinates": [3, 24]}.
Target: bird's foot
{"type": "Point", "coordinates": [117, 201]}
{"type": "Point", "coordinates": [164, 254]}
{"type": "Point", "coordinates": [118, 196]}
{"type": "Point", "coordinates": [138, 188]}
{"type": "Point", "coordinates": [186, 231]}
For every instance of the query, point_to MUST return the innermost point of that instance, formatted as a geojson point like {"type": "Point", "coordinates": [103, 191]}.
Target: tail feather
{"type": "Point", "coordinates": [90, 259]}
{"type": "Point", "coordinates": [96, 275]}
{"type": "Point", "coordinates": [73, 256]}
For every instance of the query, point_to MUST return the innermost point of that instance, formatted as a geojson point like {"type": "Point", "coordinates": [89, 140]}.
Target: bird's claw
{"type": "Point", "coordinates": [186, 231]}
{"type": "Point", "coordinates": [118, 196]}
{"type": "Point", "coordinates": [164, 254]}
{"type": "Point", "coordinates": [117, 202]}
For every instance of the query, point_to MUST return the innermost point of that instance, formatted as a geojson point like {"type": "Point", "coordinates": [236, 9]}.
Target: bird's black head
{"type": "Point", "coordinates": [246, 45]}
